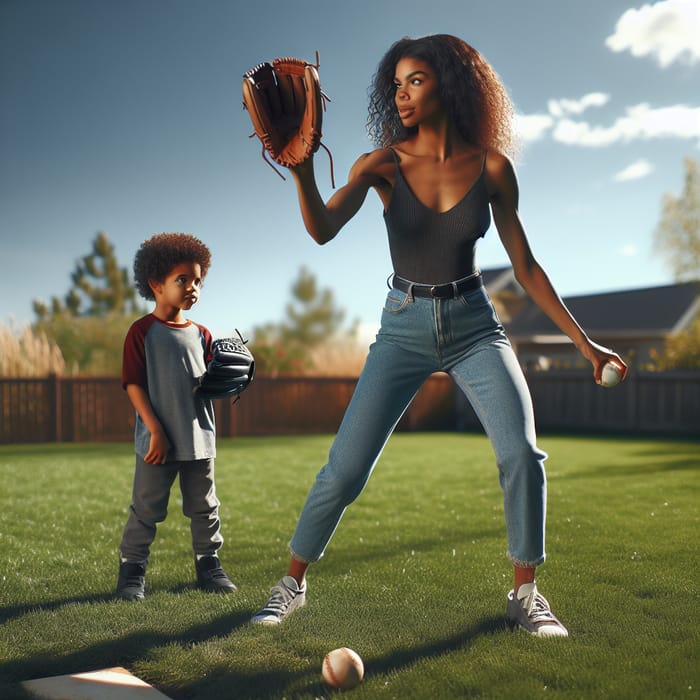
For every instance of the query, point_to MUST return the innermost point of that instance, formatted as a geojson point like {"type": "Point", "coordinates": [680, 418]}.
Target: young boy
{"type": "Point", "coordinates": [164, 355]}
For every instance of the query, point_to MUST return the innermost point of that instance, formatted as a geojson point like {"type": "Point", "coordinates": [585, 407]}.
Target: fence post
{"type": "Point", "coordinates": [55, 407]}
{"type": "Point", "coordinates": [633, 402]}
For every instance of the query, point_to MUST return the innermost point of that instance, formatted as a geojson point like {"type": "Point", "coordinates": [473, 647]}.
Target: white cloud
{"type": "Point", "coordinates": [560, 108]}
{"type": "Point", "coordinates": [629, 250]}
{"type": "Point", "coordinates": [532, 127]}
{"type": "Point", "coordinates": [641, 122]}
{"type": "Point", "coordinates": [639, 169]}
{"type": "Point", "coordinates": [668, 30]}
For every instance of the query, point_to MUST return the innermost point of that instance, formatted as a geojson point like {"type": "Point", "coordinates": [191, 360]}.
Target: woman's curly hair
{"type": "Point", "coordinates": [158, 255]}
{"type": "Point", "coordinates": [471, 91]}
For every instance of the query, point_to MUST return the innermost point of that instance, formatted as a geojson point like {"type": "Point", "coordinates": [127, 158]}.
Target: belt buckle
{"type": "Point", "coordinates": [435, 291]}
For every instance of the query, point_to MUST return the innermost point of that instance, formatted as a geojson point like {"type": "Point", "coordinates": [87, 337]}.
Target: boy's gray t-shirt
{"type": "Point", "coordinates": [167, 361]}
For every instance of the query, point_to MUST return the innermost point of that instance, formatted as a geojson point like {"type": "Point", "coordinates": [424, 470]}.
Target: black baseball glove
{"type": "Point", "coordinates": [230, 370]}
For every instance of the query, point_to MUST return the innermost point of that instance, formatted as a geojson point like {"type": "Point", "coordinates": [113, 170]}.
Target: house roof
{"type": "Point", "coordinates": [646, 312]}
{"type": "Point", "coordinates": [494, 275]}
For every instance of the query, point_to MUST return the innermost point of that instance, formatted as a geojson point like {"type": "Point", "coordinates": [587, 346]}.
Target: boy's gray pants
{"type": "Point", "coordinates": [151, 493]}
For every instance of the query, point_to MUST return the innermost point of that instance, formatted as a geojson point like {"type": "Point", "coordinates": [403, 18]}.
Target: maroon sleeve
{"type": "Point", "coordinates": [206, 342]}
{"type": "Point", "coordinates": [134, 359]}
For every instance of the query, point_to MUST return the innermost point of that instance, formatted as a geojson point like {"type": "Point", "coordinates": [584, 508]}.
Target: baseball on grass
{"type": "Point", "coordinates": [343, 668]}
{"type": "Point", "coordinates": [610, 375]}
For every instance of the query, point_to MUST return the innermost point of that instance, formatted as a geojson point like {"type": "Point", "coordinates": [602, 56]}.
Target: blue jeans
{"type": "Point", "coordinates": [418, 336]}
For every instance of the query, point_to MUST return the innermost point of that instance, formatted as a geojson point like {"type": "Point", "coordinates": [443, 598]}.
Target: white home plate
{"type": "Point", "coordinates": [108, 684]}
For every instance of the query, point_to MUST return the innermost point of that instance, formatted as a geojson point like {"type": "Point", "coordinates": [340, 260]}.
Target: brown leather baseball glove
{"type": "Point", "coordinates": [285, 103]}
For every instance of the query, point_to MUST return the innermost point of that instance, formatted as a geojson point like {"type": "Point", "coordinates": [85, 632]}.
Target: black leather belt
{"type": "Point", "coordinates": [439, 291]}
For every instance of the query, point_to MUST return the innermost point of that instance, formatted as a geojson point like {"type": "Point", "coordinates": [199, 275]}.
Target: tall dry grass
{"type": "Point", "coordinates": [338, 357]}
{"type": "Point", "coordinates": [27, 353]}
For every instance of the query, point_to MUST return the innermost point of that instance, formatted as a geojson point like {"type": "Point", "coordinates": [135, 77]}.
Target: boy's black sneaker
{"type": "Point", "coordinates": [132, 581]}
{"type": "Point", "coordinates": [211, 577]}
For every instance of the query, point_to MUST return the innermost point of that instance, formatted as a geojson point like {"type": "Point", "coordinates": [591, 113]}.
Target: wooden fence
{"type": "Point", "coordinates": [57, 409]}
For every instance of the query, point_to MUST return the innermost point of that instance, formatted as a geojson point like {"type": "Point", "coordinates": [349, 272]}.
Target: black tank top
{"type": "Point", "coordinates": [433, 247]}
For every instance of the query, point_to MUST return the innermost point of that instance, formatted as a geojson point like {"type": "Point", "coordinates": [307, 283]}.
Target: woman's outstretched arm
{"type": "Point", "coordinates": [504, 204]}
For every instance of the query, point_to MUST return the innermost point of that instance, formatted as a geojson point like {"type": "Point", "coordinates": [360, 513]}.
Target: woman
{"type": "Point", "coordinates": [442, 121]}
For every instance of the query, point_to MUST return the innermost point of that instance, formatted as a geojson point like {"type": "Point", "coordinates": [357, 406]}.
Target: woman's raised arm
{"type": "Point", "coordinates": [324, 220]}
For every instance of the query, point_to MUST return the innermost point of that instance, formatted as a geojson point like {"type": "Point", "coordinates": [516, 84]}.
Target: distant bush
{"type": "Point", "coordinates": [681, 351]}
{"type": "Point", "coordinates": [90, 345]}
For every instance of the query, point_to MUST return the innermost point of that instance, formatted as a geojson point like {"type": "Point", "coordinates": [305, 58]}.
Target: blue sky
{"type": "Point", "coordinates": [125, 116]}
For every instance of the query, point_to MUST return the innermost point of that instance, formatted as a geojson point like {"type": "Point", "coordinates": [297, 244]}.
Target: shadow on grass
{"type": "Point", "coordinates": [12, 611]}
{"type": "Point", "coordinates": [267, 684]}
{"type": "Point", "coordinates": [665, 464]}
{"type": "Point", "coordinates": [114, 652]}
{"type": "Point", "coordinates": [263, 684]}
{"type": "Point", "coordinates": [403, 658]}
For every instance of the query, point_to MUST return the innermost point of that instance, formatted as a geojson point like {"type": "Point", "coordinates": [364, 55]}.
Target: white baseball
{"type": "Point", "coordinates": [610, 375]}
{"type": "Point", "coordinates": [343, 668]}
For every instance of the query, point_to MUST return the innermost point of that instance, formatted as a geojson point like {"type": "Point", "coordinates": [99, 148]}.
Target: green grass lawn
{"type": "Point", "coordinates": [415, 579]}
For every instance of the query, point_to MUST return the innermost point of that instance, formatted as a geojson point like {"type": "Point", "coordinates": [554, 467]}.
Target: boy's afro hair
{"type": "Point", "coordinates": [159, 254]}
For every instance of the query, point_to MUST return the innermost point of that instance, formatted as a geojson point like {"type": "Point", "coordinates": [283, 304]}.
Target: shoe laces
{"type": "Point", "coordinates": [539, 609]}
{"type": "Point", "coordinates": [218, 572]}
{"type": "Point", "coordinates": [280, 599]}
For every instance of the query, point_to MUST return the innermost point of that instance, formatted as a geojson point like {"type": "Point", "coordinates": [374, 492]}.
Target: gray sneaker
{"type": "Point", "coordinates": [286, 597]}
{"type": "Point", "coordinates": [530, 610]}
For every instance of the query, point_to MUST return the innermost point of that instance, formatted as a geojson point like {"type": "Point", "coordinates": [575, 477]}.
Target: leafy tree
{"type": "Point", "coordinates": [677, 235]}
{"type": "Point", "coordinates": [682, 351]}
{"type": "Point", "coordinates": [89, 323]}
{"type": "Point", "coordinates": [678, 238]}
{"type": "Point", "coordinates": [312, 318]}
{"type": "Point", "coordinates": [311, 315]}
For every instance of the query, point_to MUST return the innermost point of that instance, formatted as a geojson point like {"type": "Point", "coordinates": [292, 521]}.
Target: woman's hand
{"type": "Point", "coordinates": [599, 356]}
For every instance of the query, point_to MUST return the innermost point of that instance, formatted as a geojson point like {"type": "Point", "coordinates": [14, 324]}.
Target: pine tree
{"type": "Point", "coordinates": [312, 318]}
{"type": "Point", "coordinates": [100, 287]}
{"type": "Point", "coordinates": [89, 323]}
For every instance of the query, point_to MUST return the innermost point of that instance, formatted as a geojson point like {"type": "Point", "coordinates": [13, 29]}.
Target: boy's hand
{"type": "Point", "coordinates": [158, 449]}
{"type": "Point", "coordinates": [159, 445]}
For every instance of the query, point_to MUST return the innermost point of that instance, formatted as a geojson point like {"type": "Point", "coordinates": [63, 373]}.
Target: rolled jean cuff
{"type": "Point", "coordinates": [526, 564]}
{"type": "Point", "coordinates": [303, 560]}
